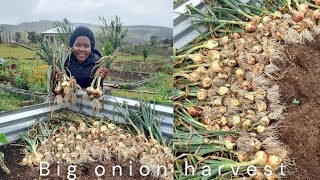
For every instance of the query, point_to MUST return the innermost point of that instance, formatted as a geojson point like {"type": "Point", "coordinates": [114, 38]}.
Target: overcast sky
{"type": "Point", "coordinates": [131, 12]}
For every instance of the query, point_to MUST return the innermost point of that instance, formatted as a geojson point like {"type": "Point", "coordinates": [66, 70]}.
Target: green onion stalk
{"type": "Point", "coordinates": [32, 146]}
{"type": "Point", "coordinates": [60, 55]}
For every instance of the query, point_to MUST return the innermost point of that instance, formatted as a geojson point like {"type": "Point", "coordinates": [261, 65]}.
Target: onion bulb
{"type": "Point", "coordinates": [231, 62]}
{"type": "Point", "coordinates": [202, 94]}
{"type": "Point", "coordinates": [255, 20]}
{"type": "Point", "coordinates": [217, 66]}
{"type": "Point", "coordinates": [261, 106]}
{"type": "Point", "coordinates": [261, 157]}
{"type": "Point", "coordinates": [201, 70]}
{"type": "Point", "coordinates": [206, 82]}
{"type": "Point", "coordinates": [217, 102]}
{"type": "Point", "coordinates": [214, 55]}
{"type": "Point", "coordinates": [103, 128]}
{"type": "Point", "coordinates": [266, 19]}
{"type": "Point", "coordinates": [235, 35]}
{"type": "Point", "coordinates": [194, 77]}
{"type": "Point", "coordinates": [303, 7]}
{"type": "Point", "coordinates": [257, 49]}
{"type": "Point", "coordinates": [316, 14]}
{"type": "Point", "coordinates": [224, 40]}
{"type": "Point", "coordinates": [223, 90]}
{"type": "Point", "coordinates": [265, 120]}
{"type": "Point", "coordinates": [246, 85]}
{"type": "Point", "coordinates": [249, 96]}
{"type": "Point", "coordinates": [243, 156]}
{"type": "Point", "coordinates": [274, 161]}
{"type": "Point", "coordinates": [256, 144]}
{"type": "Point", "coordinates": [222, 109]}
{"type": "Point", "coordinates": [222, 121]}
{"type": "Point", "coordinates": [250, 28]}
{"type": "Point", "coordinates": [258, 68]}
{"type": "Point", "coordinates": [194, 111]}
{"type": "Point", "coordinates": [225, 128]}
{"type": "Point", "coordinates": [240, 73]}
{"type": "Point", "coordinates": [214, 127]}
{"type": "Point", "coordinates": [246, 123]}
{"type": "Point", "coordinates": [234, 121]}
{"type": "Point", "coordinates": [210, 44]}
{"type": "Point", "coordinates": [277, 15]}
{"type": "Point", "coordinates": [260, 128]}
{"type": "Point", "coordinates": [197, 58]}
{"type": "Point", "coordinates": [89, 90]}
{"type": "Point", "coordinates": [78, 137]}
{"type": "Point", "coordinates": [298, 16]}
{"type": "Point", "coordinates": [251, 60]}
{"type": "Point", "coordinates": [229, 143]}
{"type": "Point", "coordinates": [259, 176]}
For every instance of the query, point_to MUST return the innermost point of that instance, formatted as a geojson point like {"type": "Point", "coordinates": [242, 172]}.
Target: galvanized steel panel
{"type": "Point", "coordinates": [183, 31]}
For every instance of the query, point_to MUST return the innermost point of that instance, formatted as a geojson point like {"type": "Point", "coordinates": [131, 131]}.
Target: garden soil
{"type": "Point", "coordinates": [300, 80]}
{"type": "Point", "coordinates": [13, 157]}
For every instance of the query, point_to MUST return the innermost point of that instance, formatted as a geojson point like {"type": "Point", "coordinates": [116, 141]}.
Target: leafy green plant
{"type": "Point", "coordinates": [145, 53]}
{"type": "Point", "coordinates": [107, 48]}
{"type": "Point", "coordinates": [3, 140]}
{"type": "Point", "coordinates": [21, 82]}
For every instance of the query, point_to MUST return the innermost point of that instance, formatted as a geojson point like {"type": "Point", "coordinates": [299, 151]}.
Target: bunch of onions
{"type": "Point", "coordinates": [66, 86]}
{"type": "Point", "coordinates": [95, 89]}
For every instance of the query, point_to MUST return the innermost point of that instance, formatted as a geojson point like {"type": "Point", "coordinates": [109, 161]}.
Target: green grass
{"type": "Point", "coordinates": [10, 101]}
{"type": "Point", "coordinates": [18, 55]}
{"type": "Point", "coordinates": [160, 89]}
{"type": "Point", "coordinates": [140, 58]}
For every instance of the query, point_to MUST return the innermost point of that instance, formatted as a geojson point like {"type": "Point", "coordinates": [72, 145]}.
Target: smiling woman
{"type": "Point", "coordinates": [82, 64]}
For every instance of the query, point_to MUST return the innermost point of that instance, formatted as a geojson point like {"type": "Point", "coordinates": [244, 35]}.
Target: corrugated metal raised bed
{"type": "Point", "coordinates": [12, 123]}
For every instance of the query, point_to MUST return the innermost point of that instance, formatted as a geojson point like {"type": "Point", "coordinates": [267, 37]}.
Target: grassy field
{"type": "Point", "coordinates": [10, 101]}
{"type": "Point", "coordinates": [18, 55]}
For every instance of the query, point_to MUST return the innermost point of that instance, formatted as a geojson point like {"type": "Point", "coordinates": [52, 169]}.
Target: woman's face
{"type": "Point", "coordinates": [81, 48]}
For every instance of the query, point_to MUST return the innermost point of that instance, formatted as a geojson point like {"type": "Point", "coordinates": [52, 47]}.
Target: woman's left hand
{"type": "Point", "coordinates": [103, 72]}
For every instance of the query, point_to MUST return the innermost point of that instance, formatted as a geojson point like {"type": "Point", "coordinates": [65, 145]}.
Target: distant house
{"type": "Point", "coordinates": [51, 34]}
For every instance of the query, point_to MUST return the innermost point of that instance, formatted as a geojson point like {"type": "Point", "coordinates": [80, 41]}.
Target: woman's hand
{"type": "Point", "coordinates": [103, 72]}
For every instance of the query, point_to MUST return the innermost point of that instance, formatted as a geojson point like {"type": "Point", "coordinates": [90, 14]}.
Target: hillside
{"type": "Point", "coordinates": [136, 34]}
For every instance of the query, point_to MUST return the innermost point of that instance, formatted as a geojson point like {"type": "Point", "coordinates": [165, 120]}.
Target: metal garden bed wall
{"type": "Point", "coordinates": [31, 95]}
{"type": "Point", "coordinates": [12, 123]}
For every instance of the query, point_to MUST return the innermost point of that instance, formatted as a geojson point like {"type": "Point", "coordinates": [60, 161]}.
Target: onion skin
{"type": "Point", "coordinates": [274, 161]}
{"type": "Point", "coordinates": [202, 94]}
{"type": "Point", "coordinates": [194, 111]}
{"type": "Point", "coordinates": [250, 28]}
{"type": "Point", "coordinates": [206, 82]}
{"type": "Point", "coordinates": [197, 58]}
{"type": "Point", "coordinates": [261, 157]}
{"type": "Point", "coordinates": [298, 16]}
{"type": "Point", "coordinates": [217, 66]}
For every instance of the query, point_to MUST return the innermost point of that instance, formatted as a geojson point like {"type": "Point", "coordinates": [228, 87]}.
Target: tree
{"type": "Point", "coordinates": [153, 39]}
{"type": "Point", "coordinates": [18, 36]}
{"type": "Point", "coordinates": [0, 39]}
{"type": "Point", "coordinates": [64, 29]}
{"type": "Point", "coordinates": [107, 48]}
{"type": "Point", "coordinates": [112, 31]}
{"type": "Point", "coordinates": [31, 37]}
{"type": "Point", "coordinates": [145, 54]}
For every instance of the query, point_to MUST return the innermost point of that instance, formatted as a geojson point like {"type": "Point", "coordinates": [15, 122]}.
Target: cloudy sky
{"type": "Point", "coordinates": [131, 12]}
